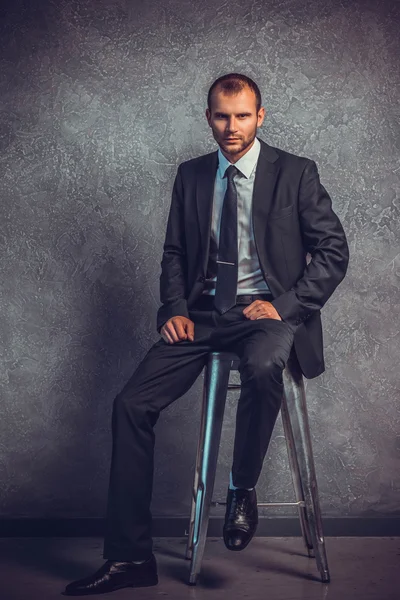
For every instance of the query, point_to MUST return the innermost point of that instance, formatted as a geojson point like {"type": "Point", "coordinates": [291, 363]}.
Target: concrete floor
{"type": "Point", "coordinates": [268, 569]}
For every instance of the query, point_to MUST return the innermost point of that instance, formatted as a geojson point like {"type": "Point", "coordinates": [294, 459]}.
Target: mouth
{"type": "Point", "coordinates": [231, 139]}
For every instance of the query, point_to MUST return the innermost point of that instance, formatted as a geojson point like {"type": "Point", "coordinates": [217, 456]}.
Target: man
{"type": "Point", "coordinates": [234, 276]}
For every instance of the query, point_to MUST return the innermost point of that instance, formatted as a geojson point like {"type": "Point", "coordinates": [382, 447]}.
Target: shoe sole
{"type": "Point", "coordinates": [237, 548]}
{"type": "Point", "coordinates": [117, 587]}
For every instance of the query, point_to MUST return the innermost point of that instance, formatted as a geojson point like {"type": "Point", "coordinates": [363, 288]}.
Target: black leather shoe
{"type": "Point", "coordinates": [114, 575]}
{"type": "Point", "coordinates": [241, 518]}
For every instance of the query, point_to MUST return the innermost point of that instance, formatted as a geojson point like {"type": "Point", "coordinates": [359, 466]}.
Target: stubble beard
{"type": "Point", "coordinates": [243, 145]}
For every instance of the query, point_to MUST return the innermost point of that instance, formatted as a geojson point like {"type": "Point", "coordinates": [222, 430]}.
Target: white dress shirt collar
{"type": "Point", "coordinates": [245, 164]}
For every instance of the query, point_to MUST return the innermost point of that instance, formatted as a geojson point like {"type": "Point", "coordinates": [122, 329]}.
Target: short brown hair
{"type": "Point", "coordinates": [233, 83]}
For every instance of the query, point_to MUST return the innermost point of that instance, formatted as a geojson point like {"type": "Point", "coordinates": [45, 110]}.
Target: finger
{"type": "Point", "coordinates": [258, 315]}
{"type": "Point", "coordinates": [256, 305]}
{"type": "Point", "coordinates": [253, 312]}
{"type": "Point", "coordinates": [254, 316]}
{"type": "Point", "coordinates": [171, 331]}
{"type": "Point", "coordinates": [166, 337]}
{"type": "Point", "coordinates": [264, 307]}
{"type": "Point", "coordinates": [180, 330]}
{"type": "Point", "coordinates": [190, 330]}
{"type": "Point", "coordinates": [248, 308]}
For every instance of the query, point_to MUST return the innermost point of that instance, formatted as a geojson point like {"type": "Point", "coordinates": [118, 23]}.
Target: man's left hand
{"type": "Point", "coordinates": [261, 309]}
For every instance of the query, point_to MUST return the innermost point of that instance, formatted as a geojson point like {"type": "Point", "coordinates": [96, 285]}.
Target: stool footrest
{"type": "Point", "coordinates": [299, 503]}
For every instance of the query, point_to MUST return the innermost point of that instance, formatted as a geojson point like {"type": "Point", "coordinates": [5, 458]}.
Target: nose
{"type": "Point", "coordinates": [231, 126]}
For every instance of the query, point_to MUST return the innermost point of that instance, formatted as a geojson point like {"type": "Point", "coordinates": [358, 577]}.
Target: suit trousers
{"type": "Point", "coordinates": [164, 375]}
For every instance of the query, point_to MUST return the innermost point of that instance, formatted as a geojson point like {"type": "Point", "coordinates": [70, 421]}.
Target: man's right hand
{"type": "Point", "coordinates": [177, 329]}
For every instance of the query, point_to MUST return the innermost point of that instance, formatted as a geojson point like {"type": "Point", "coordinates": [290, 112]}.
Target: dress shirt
{"type": "Point", "coordinates": [250, 277]}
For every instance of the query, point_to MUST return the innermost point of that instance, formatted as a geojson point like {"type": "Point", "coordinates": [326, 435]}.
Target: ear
{"type": "Point", "coordinates": [208, 116]}
{"type": "Point", "coordinates": [260, 116]}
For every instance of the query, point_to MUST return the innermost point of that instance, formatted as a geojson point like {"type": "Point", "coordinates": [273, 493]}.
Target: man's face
{"type": "Point", "coordinates": [234, 121]}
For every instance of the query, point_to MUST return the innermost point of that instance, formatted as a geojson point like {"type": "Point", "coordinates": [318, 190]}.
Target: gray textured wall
{"type": "Point", "coordinates": [100, 101]}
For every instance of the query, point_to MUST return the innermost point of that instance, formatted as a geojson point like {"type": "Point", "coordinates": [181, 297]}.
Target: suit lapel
{"type": "Point", "coordinates": [204, 199]}
{"type": "Point", "coordinates": [263, 193]}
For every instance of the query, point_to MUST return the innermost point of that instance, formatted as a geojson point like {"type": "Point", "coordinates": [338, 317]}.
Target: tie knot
{"type": "Point", "coordinates": [231, 172]}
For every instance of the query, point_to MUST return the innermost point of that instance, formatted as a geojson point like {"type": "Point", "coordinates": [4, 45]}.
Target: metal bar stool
{"type": "Point", "coordinates": [301, 462]}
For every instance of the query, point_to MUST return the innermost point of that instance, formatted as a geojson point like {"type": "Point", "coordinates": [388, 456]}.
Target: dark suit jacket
{"type": "Point", "coordinates": [292, 216]}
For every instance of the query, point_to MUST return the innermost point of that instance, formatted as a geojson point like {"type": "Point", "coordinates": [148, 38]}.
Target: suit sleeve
{"type": "Point", "coordinates": [173, 280]}
{"type": "Point", "coordinates": [324, 238]}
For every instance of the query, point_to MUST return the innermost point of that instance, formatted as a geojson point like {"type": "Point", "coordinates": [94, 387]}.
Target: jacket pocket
{"type": "Point", "coordinates": [281, 212]}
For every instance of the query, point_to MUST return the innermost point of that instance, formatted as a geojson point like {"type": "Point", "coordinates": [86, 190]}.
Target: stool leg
{"type": "Point", "coordinates": [216, 379]}
{"type": "Point", "coordinates": [297, 411]}
{"type": "Point", "coordinates": [296, 478]}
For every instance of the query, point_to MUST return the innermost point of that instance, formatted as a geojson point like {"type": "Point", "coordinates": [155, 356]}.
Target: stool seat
{"type": "Point", "coordinates": [300, 456]}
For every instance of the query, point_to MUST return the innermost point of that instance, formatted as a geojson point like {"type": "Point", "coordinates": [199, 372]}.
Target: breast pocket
{"type": "Point", "coordinates": [281, 212]}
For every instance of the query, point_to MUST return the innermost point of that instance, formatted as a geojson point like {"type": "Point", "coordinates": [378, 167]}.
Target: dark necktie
{"type": "Point", "coordinates": [227, 273]}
